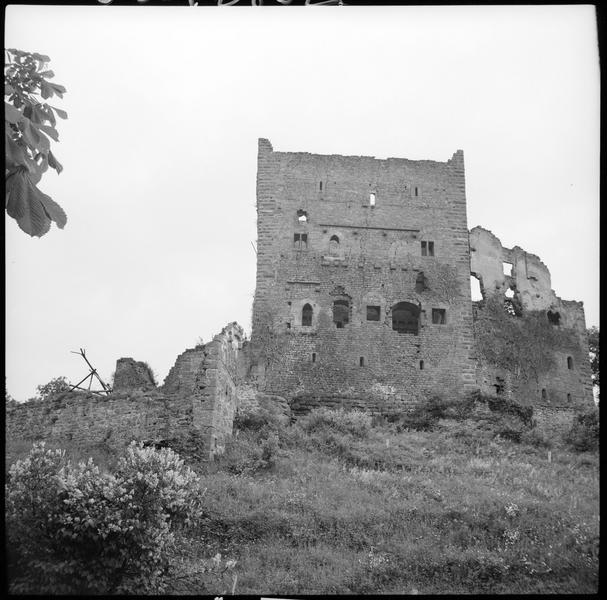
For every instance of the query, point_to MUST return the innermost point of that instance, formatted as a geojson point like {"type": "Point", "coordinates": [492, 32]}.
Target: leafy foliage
{"type": "Point", "coordinates": [353, 422]}
{"type": "Point", "coordinates": [9, 400]}
{"type": "Point", "coordinates": [29, 128]}
{"type": "Point", "coordinates": [585, 431]}
{"type": "Point", "coordinates": [593, 348]}
{"type": "Point", "coordinates": [54, 386]}
{"type": "Point", "coordinates": [75, 530]}
{"type": "Point", "coordinates": [520, 344]}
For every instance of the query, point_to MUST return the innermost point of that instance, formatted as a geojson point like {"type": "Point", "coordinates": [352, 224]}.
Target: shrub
{"type": "Point", "coordinates": [536, 438]}
{"type": "Point", "coordinates": [249, 453]}
{"type": "Point", "coordinates": [261, 420]}
{"type": "Point", "coordinates": [584, 433]}
{"type": "Point", "coordinates": [72, 529]}
{"type": "Point", "coordinates": [427, 415]}
{"type": "Point", "coordinates": [353, 422]}
{"type": "Point", "coordinates": [53, 387]}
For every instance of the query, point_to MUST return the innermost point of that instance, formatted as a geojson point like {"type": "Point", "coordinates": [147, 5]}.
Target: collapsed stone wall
{"type": "Point", "coordinates": [83, 419]}
{"type": "Point", "coordinates": [196, 404]}
{"type": "Point", "coordinates": [214, 387]}
{"type": "Point", "coordinates": [530, 344]}
{"type": "Point", "coordinates": [133, 375]}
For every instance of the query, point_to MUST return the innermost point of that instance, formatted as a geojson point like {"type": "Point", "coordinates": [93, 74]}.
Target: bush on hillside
{"type": "Point", "coordinates": [352, 422]}
{"type": "Point", "coordinates": [584, 433]}
{"type": "Point", "coordinates": [249, 453]}
{"type": "Point", "coordinates": [260, 419]}
{"type": "Point", "coordinates": [72, 529]}
{"type": "Point", "coordinates": [426, 416]}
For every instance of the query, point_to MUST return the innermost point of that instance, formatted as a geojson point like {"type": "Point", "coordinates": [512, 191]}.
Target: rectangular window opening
{"type": "Point", "coordinates": [438, 316]}
{"type": "Point", "coordinates": [313, 356]}
{"type": "Point", "coordinates": [507, 268]}
{"type": "Point", "coordinates": [361, 361]}
{"type": "Point", "coordinates": [371, 199]}
{"type": "Point", "coordinates": [300, 241]}
{"type": "Point", "coordinates": [424, 249]}
{"type": "Point", "coordinates": [430, 248]}
{"type": "Point", "coordinates": [416, 191]}
{"type": "Point", "coordinates": [373, 313]}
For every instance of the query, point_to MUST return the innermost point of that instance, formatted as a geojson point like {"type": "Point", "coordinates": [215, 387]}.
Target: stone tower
{"type": "Point", "coordinates": [363, 280]}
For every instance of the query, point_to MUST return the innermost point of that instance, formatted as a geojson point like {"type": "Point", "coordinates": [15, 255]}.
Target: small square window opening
{"type": "Point", "coordinates": [438, 316]}
{"type": "Point", "coordinates": [373, 313]}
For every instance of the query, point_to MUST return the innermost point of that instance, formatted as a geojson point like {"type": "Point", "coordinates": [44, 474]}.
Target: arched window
{"type": "Point", "coordinates": [306, 315]}
{"type": "Point", "coordinates": [569, 362]}
{"type": "Point", "coordinates": [420, 282]}
{"type": "Point", "coordinates": [334, 245]}
{"type": "Point", "coordinates": [405, 318]}
{"type": "Point", "coordinates": [544, 397]}
{"type": "Point", "coordinates": [341, 313]}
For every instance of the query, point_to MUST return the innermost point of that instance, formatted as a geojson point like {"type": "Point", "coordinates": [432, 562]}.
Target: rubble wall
{"type": "Point", "coordinates": [536, 351]}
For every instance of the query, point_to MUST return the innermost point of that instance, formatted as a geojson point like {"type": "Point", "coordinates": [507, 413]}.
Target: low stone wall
{"type": "Point", "coordinates": [82, 419]}
{"type": "Point", "coordinates": [197, 402]}
{"type": "Point", "coordinates": [304, 403]}
{"type": "Point", "coordinates": [555, 421]}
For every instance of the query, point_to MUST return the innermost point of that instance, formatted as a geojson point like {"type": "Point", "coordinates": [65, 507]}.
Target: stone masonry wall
{"type": "Point", "coordinates": [182, 376]}
{"type": "Point", "coordinates": [82, 418]}
{"type": "Point", "coordinates": [132, 375]}
{"type": "Point", "coordinates": [557, 349]}
{"type": "Point", "coordinates": [197, 402]}
{"type": "Point", "coordinates": [370, 254]}
{"type": "Point", "coordinates": [214, 391]}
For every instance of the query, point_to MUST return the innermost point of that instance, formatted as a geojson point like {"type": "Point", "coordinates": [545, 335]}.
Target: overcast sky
{"type": "Point", "coordinates": [165, 107]}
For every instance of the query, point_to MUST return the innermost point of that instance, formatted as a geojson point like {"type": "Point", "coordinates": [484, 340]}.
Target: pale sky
{"type": "Point", "coordinates": [159, 152]}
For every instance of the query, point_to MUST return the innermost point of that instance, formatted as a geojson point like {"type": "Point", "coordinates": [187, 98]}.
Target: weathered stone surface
{"type": "Point", "coordinates": [369, 255]}
{"type": "Point", "coordinates": [551, 368]}
{"type": "Point", "coordinates": [347, 239]}
{"type": "Point", "coordinates": [132, 375]}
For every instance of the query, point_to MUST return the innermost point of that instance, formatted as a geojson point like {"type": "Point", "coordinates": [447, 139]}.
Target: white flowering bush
{"type": "Point", "coordinates": [73, 529]}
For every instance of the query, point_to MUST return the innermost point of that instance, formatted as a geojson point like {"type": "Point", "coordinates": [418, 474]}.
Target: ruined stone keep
{"type": "Point", "coordinates": [363, 292]}
{"type": "Point", "coordinates": [363, 299]}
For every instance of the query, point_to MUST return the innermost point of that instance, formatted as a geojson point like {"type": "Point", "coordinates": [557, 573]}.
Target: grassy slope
{"type": "Point", "coordinates": [320, 510]}
{"type": "Point", "coordinates": [447, 511]}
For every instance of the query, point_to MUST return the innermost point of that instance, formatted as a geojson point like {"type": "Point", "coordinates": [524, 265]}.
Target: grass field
{"type": "Point", "coordinates": [335, 505]}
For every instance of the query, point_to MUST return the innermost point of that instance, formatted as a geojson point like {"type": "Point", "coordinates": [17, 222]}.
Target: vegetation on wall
{"type": "Point", "coordinates": [593, 349]}
{"type": "Point", "coordinates": [523, 345]}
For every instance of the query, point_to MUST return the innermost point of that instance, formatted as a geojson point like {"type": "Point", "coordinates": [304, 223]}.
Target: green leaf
{"type": "Point", "coordinates": [46, 91]}
{"type": "Point", "coordinates": [47, 74]}
{"type": "Point", "coordinates": [15, 156]}
{"type": "Point", "coordinates": [41, 57]}
{"type": "Point", "coordinates": [50, 131]}
{"type": "Point", "coordinates": [58, 89]}
{"type": "Point", "coordinates": [25, 207]}
{"type": "Point", "coordinates": [54, 163]}
{"type": "Point", "coordinates": [53, 210]}
{"type": "Point", "coordinates": [60, 113]}
{"type": "Point", "coordinates": [12, 114]}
